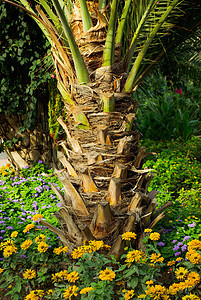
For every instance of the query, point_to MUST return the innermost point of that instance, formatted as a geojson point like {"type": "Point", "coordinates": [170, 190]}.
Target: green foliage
{"type": "Point", "coordinates": [165, 114]}
{"type": "Point", "coordinates": [24, 72]}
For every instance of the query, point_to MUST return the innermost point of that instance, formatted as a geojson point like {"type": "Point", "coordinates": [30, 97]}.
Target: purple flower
{"type": "Point", "coordinates": [59, 204]}
{"type": "Point", "coordinates": [176, 248]}
{"type": "Point", "coordinates": [2, 231]}
{"type": "Point", "coordinates": [174, 241]}
{"type": "Point", "coordinates": [161, 244]}
{"type": "Point", "coordinates": [23, 256]}
{"type": "Point", "coordinates": [177, 253]}
{"type": "Point", "coordinates": [1, 238]}
{"type": "Point", "coordinates": [192, 225]}
{"type": "Point", "coordinates": [186, 238]}
{"type": "Point", "coordinates": [40, 161]}
{"type": "Point", "coordinates": [180, 244]}
{"type": "Point", "coordinates": [10, 227]}
{"type": "Point", "coordinates": [184, 247]}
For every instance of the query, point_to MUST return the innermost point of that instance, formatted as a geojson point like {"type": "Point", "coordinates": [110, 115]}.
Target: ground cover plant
{"type": "Point", "coordinates": [34, 264]}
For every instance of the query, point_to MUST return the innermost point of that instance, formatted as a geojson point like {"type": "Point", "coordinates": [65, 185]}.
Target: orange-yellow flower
{"type": "Point", "coordinates": [107, 274]}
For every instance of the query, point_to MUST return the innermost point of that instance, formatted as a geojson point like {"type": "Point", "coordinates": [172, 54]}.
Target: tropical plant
{"type": "Point", "coordinates": [101, 52]}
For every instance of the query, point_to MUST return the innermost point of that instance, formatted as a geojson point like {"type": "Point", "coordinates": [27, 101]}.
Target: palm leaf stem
{"type": "Point", "coordinates": [120, 28]}
{"type": "Point", "coordinates": [80, 68]}
{"type": "Point", "coordinates": [86, 19]}
{"type": "Point", "coordinates": [134, 41]}
{"type": "Point", "coordinates": [133, 73]}
{"type": "Point", "coordinates": [108, 54]}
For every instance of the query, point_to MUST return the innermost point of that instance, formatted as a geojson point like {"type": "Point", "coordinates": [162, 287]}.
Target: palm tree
{"type": "Point", "coordinates": [101, 52]}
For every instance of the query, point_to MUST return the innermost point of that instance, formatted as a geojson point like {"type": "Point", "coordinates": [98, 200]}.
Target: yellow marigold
{"type": "Point", "coordinates": [36, 217]}
{"type": "Point", "coordinates": [50, 292]}
{"type": "Point", "coordinates": [58, 250]}
{"type": "Point", "coordinates": [135, 255]}
{"type": "Point", "coordinates": [7, 243]}
{"type": "Point", "coordinates": [86, 290]}
{"type": "Point", "coordinates": [9, 250]}
{"type": "Point", "coordinates": [154, 236]}
{"type": "Point", "coordinates": [194, 244]}
{"type": "Point", "coordinates": [194, 258]}
{"type": "Point", "coordinates": [190, 297]}
{"type": "Point", "coordinates": [171, 263]}
{"type": "Point", "coordinates": [156, 258]}
{"type": "Point", "coordinates": [157, 292]}
{"type": "Point", "coordinates": [194, 277]}
{"type": "Point", "coordinates": [149, 282]}
{"type": "Point", "coordinates": [65, 249]}
{"type": "Point", "coordinates": [181, 273]}
{"type": "Point", "coordinates": [77, 253]}
{"type": "Point", "coordinates": [70, 291]}
{"type": "Point", "coordinates": [14, 234]}
{"type": "Point", "coordinates": [107, 274]}
{"type": "Point", "coordinates": [141, 296]}
{"type": "Point", "coordinates": [26, 244]}
{"type": "Point", "coordinates": [1, 270]}
{"type": "Point", "coordinates": [28, 227]}
{"type": "Point", "coordinates": [42, 247]}
{"type": "Point", "coordinates": [34, 295]}
{"type": "Point", "coordinates": [129, 295]}
{"type": "Point", "coordinates": [29, 274]}
{"type": "Point", "coordinates": [179, 259]}
{"type": "Point", "coordinates": [148, 230]}
{"type": "Point", "coordinates": [173, 289]}
{"type": "Point", "coordinates": [73, 276]}
{"type": "Point", "coordinates": [40, 238]}
{"type": "Point", "coordinates": [128, 236]}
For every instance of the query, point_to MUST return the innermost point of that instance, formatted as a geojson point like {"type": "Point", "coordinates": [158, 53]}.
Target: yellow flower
{"type": "Point", "coordinates": [154, 236]}
{"type": "Point", "coordinates": [58, 250]}
{"type": "Point", "coordinates": [156, 258]}
{"type": "Point", "coordinates": [9, 250]}
{"type": "Point", "coordinates": [128, 236]}
{"type": "Point", "coordinates": [129, 295]}
{"type": "Point", "coordinates": [142, 296]}
{"type": "Point", "coordinates": [107, 274]}
{"type": "Point", "coordinates": [50, 292]}
{"type": "Point", "coordinates": [173, 289]}
{"type": "Point", "coordinates": [42, 247]}
{"type": "Point", "coordinates": [148, 230]}
{"type": "Point", "coordinates": [149, 282]}
{"type": "Point", "coordinates": [65, 249]}
{"type": "Point", "coordinates": [86, 290]}
{"type": "Point", "coordinates": [28, 227]}
{"type": "Point", "coordinates": [194, 257]}
{"type": "Point", "coordinates": [36, 217]}
{"type": "Point", "coordinates": [181, 273]}
{"type": "Point", "coordinates": [190, 297]}
{"type": "Point", "coordinates": [34, 295]}
{"type": "Point", "coordinates": [194, 277]}
{"type": "Point", "coordinates": [77, 253]}
{"type": "Point", "coordinates": [194, 244]}
{"type": "Point", "coordinates": [73, 276]}
{"type": "Point", "coordinates": [171, 263]}
{"type": "Point", "coordinates": [179, 258]}
{"type": "Point", "coordinates": [14, 234]}
{"type": "Point", "coordinates": [40, 238]}
{"type": "Point", "coordinates": [1, 270]}
{"type": "Point", "coordinates": [29, 274]}
{"type": "Point", "coordinates": [70, 291]}
{"type": "Point", "coordinates": [135, 255]}
{"type": "Point", "coordinates": [157, 292]}
{"type": "Point", "coordinates": [26, 244]}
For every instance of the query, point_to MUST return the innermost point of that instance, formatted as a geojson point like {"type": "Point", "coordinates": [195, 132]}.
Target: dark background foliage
{"type": "Point", "coordinates": [24, 63]}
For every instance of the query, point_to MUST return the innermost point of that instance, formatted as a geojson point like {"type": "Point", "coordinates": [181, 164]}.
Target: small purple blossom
{"type": "Point", "coordinates": [192, 225]}
{"type": "Point", "coordinates": [10, 227]}
{"type": "Point", "coordinates": [174, 241]}
{"type": "Point", "coordinates": [184, 248]}
{"type": "Point", "coordinates": [180, 244]}
{"type": "Point", "coordinates": [161, 244]}
{"type": "Point", "coordinates": [40, 161]}
{"type": "Point", "coordinates": [23, 256]}
{"type": "Point", "coordinates": [187, 237]}
{"type": "Point", "coordinates": [176, 248]}
{"type": "Point", "coordinates": [177, 253]}
{"type": "Point", "coordinates": [59, 204]}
